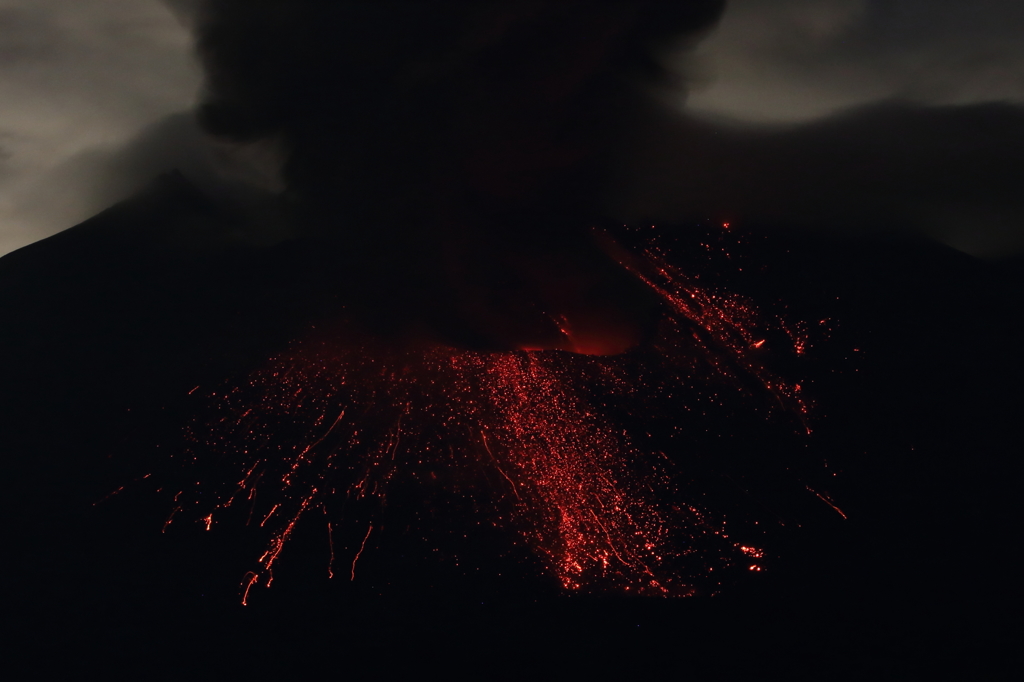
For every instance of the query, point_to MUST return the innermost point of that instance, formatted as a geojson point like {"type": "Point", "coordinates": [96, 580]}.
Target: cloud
{"type": "Point", "coordinates": [78, 77]}
{"type": "Point", "coordinates": [792, 60]}
{"type": "Point", "coordinates": [241, 178]}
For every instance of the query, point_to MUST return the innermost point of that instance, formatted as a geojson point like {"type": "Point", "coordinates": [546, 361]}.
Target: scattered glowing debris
{"type": "Point", "coordinates": [332, 420]}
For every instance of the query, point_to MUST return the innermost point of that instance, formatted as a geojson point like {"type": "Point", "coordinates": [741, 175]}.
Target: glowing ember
{"type": "Point", "coordinates": [332, 424]}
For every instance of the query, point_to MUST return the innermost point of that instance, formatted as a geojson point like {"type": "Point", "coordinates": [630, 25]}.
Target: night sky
{"type": "Point", "coordinates": [506, 340]}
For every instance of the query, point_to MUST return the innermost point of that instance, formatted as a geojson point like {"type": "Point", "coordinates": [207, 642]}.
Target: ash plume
{"type": "Point", "coordinates": [447, 158]}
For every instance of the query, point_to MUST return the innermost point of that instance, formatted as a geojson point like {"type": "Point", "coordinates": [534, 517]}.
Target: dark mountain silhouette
{"type": "Point", "coordinates": [445, 183]}
{"type": "Point", "coordinates": [109, 325]}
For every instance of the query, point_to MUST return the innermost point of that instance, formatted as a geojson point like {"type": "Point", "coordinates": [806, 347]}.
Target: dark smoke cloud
{"type": "Point", "coordinates": [449, 156]}
{"type": "Point", "coordinates": [399, 112]}
{"type": "Point", "coordinates": [406, 92]}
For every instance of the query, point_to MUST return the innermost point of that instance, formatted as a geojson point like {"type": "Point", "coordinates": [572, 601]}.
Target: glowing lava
{"type": "Point", "coordinates": [330, 425]}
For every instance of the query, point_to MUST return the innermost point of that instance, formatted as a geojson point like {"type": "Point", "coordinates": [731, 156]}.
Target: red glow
{"type": "Point", "coordinates": [362, 547]}
{"type": "Point", "coordinates": [339, 420]}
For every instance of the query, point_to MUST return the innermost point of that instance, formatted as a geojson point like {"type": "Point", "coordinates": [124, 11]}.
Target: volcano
{"type": "Point", "coordinates": [864, 517]}
{"type": "Point", "coordinates": [459, 421]}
